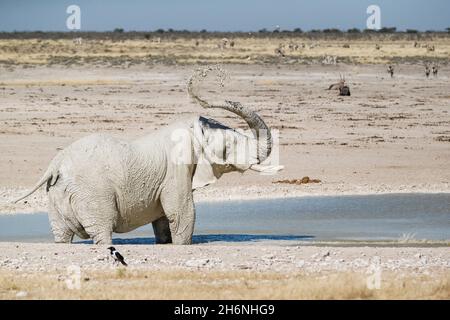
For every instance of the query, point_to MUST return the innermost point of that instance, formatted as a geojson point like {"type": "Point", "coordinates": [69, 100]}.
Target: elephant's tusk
{"type": "Point", "coordinates": [266, 169]}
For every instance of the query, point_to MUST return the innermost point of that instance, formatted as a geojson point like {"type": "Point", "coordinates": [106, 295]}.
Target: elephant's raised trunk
{"type": "Point", "coordinates": [259, 128]}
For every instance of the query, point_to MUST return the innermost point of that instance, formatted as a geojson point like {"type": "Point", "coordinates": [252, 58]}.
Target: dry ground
{"type": "Point", "coordinates": [220, 285]}
{"type": "Point", "coordinates": [255, 271]}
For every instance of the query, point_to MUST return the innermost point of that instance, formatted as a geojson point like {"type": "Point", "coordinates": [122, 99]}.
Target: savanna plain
{"type": "Point", "coordinates": [392, 135]}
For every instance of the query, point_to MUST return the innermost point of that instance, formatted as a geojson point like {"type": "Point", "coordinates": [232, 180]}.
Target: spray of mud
{"type": "Point", "coordinates": [200, 75]}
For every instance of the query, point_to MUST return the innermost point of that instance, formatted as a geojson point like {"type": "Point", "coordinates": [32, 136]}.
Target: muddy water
{"type": "Point", "coordinates": [365, 218]}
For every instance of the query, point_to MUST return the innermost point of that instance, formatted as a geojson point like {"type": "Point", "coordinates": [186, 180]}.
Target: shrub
{"type": "Point", "coordinates": [388, 30]}
{"type": "Point", "coordinates": [353, 30]}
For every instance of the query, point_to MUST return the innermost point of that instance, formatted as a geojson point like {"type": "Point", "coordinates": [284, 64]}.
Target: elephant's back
{"type": "Point", "coordinates": [95, 157]}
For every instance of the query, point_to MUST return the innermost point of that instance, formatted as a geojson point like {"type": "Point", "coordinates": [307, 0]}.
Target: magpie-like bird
{"type": "Point", "coordinates": [117, 256]}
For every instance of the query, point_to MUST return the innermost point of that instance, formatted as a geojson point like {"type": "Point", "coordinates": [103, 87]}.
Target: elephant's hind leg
{"type": "Point", "coordinates": [100, 230]}
{"type": "Point", "coordinates": [61, 232]}
{"type": "Point", "coordinates": [97, 218]}
{"type": "Point", "coordinates": [162, 230]}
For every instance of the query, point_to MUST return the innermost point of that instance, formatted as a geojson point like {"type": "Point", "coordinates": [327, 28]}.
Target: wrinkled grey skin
{"type": "Point", "coordinates": [100, 184]}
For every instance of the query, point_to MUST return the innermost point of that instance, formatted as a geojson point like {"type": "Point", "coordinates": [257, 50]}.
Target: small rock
{"type": "Point", "coordinates": [300, 263]}
{"type": "Point", "coordinates": [196, 262]}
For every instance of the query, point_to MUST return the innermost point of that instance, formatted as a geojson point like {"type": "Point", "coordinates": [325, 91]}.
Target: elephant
{"type": "Point", "coordinates": [101, 184]}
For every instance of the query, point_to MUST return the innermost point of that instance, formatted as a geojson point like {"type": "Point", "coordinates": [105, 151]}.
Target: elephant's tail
{"type": "Point", "coordinates": [50, 177]}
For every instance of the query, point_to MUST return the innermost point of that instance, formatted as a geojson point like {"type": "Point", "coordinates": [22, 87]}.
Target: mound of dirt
{"type": "Point", "coordinates": [303, 180]}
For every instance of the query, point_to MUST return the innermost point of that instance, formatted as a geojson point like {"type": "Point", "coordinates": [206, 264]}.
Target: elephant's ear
{"type": "Point", "coordinates": [206, 170]}
{"type": "Point", "coordinates": [204, 174]}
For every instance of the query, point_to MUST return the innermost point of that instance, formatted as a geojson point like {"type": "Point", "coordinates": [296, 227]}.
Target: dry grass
{"type": "Point", "coordinates": [129, 284]}
{"type": "Point", "coordinates": [246, 50]}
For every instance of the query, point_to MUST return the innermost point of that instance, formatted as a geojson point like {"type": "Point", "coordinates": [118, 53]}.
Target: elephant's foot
{"type": "Point", "coordinates": [63, 236]}
{"type": "Point", "coordinates": [161, 230]}
{"type": "Point", "coordinates": [165, 239]}
{"type": "Point", "coordinates": [180, 212]}
{"type": "Point", "coordinates": [103, 238]}
{"type": "Point", "coordinates": [182, 239]}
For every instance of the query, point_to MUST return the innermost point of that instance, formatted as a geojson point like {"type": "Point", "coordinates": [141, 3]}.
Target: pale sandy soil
{"type": "Point", "coordinates": [391, 135]}
{"type": "Point", "coordinates": [257, 270]}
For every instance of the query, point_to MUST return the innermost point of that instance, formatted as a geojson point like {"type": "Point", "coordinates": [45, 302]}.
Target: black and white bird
{"type": "Point", "coordinates": [117, 256]}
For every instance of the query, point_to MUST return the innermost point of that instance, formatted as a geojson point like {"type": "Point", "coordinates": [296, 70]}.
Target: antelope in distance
{"type": "Point", "coordinates": [344, 90]}
{"type": "Point", "coordinates": [279, 51]}
{"type": "Point", "coordinates": [427, 70]}
{"type": "Point", "coordinates": [390, 70]}
{"type": "Point", "coordinates": [435, 70]}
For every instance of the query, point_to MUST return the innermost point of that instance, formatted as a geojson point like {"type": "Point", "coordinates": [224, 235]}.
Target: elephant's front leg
{"type": "Point", "coordinates": [161, 229]}
{"type": "Point", "coordinates": [180, 212]}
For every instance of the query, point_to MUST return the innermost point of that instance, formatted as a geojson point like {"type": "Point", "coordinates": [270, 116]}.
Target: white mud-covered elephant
{"type": "Point", "coordinates": [100, 184]}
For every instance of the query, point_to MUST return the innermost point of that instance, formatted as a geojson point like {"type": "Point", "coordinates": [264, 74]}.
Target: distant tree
{"type": "Point", "coordinates": [388, 30]}
{"type": "Point", "coordinates": [276, 31]}
{"type": "Point", "coordinates": [147, 36]}
{"type": "Point", "coordinates": [159, 31]}
{"type": "Point", "coordinates": [203, 31]}
{"type": "Point", "coordinates": [411, 31]}
{"type": "Point", "coordinates": [369, 30]}
{"type": "Point", "coordinates": [332, 30]}
{"type": "Point", "coordinates": [263, 30]}
{"type": "Point", "coordinates": [448, 29]}
{"type": "Point", "coordinates": [353, 30]}
{"type": "Point", "coordinates": [430, 31]}
{"type": "Point", "coordinates": [315, 31]}
{"type": "Point", "coordinates": [298, 30]}
{"type": "Point", "coordinates": [170, 30]}
{"type": "Point", "coordinates": [118, 30]}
